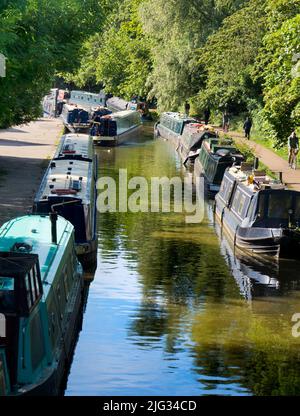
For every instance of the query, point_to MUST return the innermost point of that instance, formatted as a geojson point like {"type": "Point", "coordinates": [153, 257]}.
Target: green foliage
{"type": "Point", "coordinates": [278, 67]}
{"type": "Point", "coordinates": [39, 39]}
{"type": "Point", "coordinates": [119, 56]}
{"type": "Point", "coordinates": [228, 57]}
{"type": "Point", "coordinates": [178, 28]}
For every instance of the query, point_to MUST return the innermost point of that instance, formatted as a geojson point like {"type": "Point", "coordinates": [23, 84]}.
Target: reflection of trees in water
{"type": "Point", "coordinates": [254, 350]}
{"type": "Point", "coordinates": [182, 273]}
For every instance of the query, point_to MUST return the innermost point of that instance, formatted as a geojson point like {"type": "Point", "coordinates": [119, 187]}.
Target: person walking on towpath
{"type": "Point", "coordinates": [247, 127]}
{"type": "Point", "coordinates": [293, 146]}
{"type": "Point", "coordinates": [187, 108]}
{"type": "Point", "coordinates": [206, 116]}
{"type": "Point", "coordinates": [225, 121]}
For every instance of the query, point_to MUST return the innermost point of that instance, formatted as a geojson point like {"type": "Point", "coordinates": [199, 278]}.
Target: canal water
{"type": "Point", "coordinates": [173, 310]}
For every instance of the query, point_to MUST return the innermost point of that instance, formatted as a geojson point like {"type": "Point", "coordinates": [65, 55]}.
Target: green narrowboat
{"type": "Point", "coordinates": [41, 295]}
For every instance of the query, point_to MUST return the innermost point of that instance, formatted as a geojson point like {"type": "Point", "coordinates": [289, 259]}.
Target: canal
{"type": "Point", "coordinates": [173, 310]}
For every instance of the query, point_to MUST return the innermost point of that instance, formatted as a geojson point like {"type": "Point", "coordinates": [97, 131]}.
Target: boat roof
{"type": "Point", "coordinates": [179, 116]}
{"type": "Point", "coordinates": [123, 114]}
{"type": "Point", "coordinates": [71, 107]}
{"type": "Point", "coordinates": [261, 181]}
{"type": "Point", "coordinates": [117, 103]}
{"type": "Point", "coordinates": [215, 145]}
{"type": "Point", "coordinates": [35, 230]}
{"type": "Point", "coordinates": [194, 134]}
{"type": "Point", "coordinates": [67, 178]}
{"type": "Point", "coordinates": [75, 146]}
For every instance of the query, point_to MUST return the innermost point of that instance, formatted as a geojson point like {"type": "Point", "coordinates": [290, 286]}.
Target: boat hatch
{"type": "Point", "coordinates": [20, 283]}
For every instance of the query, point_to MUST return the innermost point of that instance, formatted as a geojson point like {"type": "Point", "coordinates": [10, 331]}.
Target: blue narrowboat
{"type": "Point", "coordinates": [69, 188]}
{"type": "Point", "coordinates": [117, 128]}
{"type": "Point", "coordinates": [259, 214]}
{"type": "Point", "coordinates": [41, 295]}
{"type": "Point", "coordinates": [75, 118]}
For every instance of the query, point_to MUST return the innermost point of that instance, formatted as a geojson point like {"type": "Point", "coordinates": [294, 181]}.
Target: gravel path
{"type": "Point", "coordinates": [24, 151]}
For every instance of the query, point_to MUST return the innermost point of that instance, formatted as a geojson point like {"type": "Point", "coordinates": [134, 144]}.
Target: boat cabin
{"type": "Point", "coordinates": [264, 202]}
{"type": "Point", "coordinates": [117, 127]}
{"type": "Point", "coordinates": [20, 282]}
{"type": "Point", "coordinates": [192, 138]}
{"type": "Point", "coordinates": [215, 157]}
{"type": "Point", "coordinates": [175, 122]}
{"type": "Point", "coordinates": [75, 116]}
{"type": "Point", "coordinates": [87, 99]}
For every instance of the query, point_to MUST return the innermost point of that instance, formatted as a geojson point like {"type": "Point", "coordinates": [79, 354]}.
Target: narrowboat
{"type": "Point", "coordinates": [259, 214]}
{"type": "Point", "coordinates": [88, 99]}
{"type": "Point", "coordinates": [41, 295]}
{"type": "Point", "coordinates": [215, 156]}
{"type": "Point", "coordinates": [117, 128]}
{"type": "Point", "coordinates": [75, 118]}
{"type": "Point", "coordinates": [191, 140]}
{"type": "Point", "coordinates": [69, 188]}
{"type": "Point", "coordinates": [171, 126]}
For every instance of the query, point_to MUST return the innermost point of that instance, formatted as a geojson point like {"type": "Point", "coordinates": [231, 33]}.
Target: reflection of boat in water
{"type": "Point", "coordinates": [258, 276]}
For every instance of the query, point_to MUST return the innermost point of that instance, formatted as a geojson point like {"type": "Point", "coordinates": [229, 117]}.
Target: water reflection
{"type": "Point", "coordinates": [167, 312]}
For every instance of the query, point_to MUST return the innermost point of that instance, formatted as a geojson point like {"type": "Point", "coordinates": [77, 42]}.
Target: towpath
{"type": "Point", "coordinates": [24, 151]}
{"type": "Point", "coordinates": [274, 162]}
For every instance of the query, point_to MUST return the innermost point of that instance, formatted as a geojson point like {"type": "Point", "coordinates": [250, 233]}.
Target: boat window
{"type": "Point", "coordinates": [7, 294]}
{"type": "Point", "coordinates": [242, 204]}
{"type": "Point", "coordinates": [28, 291]}
{"type": "Point", "coordinates": [236, 201]}
{"type": "Point", "coordinates": [279, 205]}
{"type": "Point", "coordinates": [261, 206]}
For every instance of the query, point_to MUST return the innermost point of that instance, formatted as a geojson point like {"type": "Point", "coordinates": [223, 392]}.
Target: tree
{"type": "Point", "coordinates": [39, 39]}
{"type": "Point", "coordinates": [119, 57]}
{"type": "Point", "coordinates": [228, 58]}
{"type": "Point", "coordinates": [278, 68]}
{"type": "Point", "coordinates": [178, 29]}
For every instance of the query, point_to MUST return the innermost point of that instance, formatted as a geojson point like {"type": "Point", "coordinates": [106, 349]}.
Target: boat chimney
{"type": "Point", "coordinates": [53, 219]}
{"type": "Point", "coordinates": [256, 163]}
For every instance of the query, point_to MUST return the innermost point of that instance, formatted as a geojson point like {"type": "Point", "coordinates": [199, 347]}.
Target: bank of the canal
{"type": "Point", "coordinates": [270, 159]}
{"type": "Point", "coordinates": [24, 151]}
{"type": "Point", "coordinates": [174, 311]}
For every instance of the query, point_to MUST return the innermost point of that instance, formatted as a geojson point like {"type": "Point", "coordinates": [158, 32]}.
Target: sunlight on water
{"type": "Point", "coordinates": [174, 311]}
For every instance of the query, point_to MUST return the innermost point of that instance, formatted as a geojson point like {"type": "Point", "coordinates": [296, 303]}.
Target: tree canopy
{"type": "Point", "coordinates": [242, 55]}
